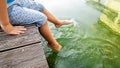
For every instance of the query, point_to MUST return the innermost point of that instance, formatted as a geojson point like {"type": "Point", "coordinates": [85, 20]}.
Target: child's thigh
{"type": "Point", "coordinates": [30, 4]}
{"type": "Point", "coordinates": [21, 16]}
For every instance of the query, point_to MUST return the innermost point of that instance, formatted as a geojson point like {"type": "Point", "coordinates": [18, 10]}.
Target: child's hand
{"type": "Point", "coordinates": [14, 30]}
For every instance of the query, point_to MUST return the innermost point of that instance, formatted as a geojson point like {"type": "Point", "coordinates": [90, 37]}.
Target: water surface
{"type": "Point", "coordinates": [92, 41]}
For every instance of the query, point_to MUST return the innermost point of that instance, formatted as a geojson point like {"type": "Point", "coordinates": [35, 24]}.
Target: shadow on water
{"type": "Point", "coordinates": [91, 41]}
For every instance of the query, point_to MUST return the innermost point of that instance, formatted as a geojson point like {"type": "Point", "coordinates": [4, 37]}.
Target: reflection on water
{"type": "Point", "coordinates": [111, 13]}
{"type": "Point", "coordinates": [92, 41]}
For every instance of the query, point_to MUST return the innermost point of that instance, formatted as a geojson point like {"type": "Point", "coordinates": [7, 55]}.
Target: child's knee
{"type": "Point", "coordinates": [42, 20]}
{"type": "Point", "coordinates": [44, 17]}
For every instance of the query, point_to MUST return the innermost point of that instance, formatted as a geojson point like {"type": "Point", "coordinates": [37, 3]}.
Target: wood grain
{"type": "Point", "coordinates": [8, 41]}
{"type": "Point", "coordinates": [31, 56]}
{"type": "Point", "coordinates": [22, 51]}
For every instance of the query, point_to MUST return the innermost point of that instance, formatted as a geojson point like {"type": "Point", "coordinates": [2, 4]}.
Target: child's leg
{"type": "Point", "coordinates": [21, 16]}
{"type": "Point", "coordinates": [47, 34]}
{"type": "Point", "coordinates": [54, 20]}
{"type": "Point", "coordinates": [39, 7]}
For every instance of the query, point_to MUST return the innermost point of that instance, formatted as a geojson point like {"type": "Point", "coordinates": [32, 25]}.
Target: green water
{"type": "Point", "coordinates": [92, 41]}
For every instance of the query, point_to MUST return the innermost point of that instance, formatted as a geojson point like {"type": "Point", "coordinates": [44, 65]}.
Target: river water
{"type": "Point", "coordinates": [92, 40]}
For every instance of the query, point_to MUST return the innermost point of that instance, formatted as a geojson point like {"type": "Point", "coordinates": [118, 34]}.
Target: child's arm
{"type": "Point", "coordinates": [4, 21]}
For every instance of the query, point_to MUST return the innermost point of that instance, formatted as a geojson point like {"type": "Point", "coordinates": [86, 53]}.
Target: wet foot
{"type": "Point", "coordinates": [55, 47]}
{"type": "Point", "coordinates": [63, 22]}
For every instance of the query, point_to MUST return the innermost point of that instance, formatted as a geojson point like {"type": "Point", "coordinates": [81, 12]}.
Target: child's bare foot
{"type": "Point", "coordinates": [63, 22]}
{"type": "Point", "coordinates": [55, 47]}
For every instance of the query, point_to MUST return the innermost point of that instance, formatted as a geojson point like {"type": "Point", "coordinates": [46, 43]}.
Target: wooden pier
{"type": "Point", "coordinates": [22, 51]}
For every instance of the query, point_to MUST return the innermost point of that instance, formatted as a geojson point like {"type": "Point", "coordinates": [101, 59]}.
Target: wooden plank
{"type": "Point", "coordinates": [8, 41]}
{"type": "Point", "coordinates": [31, 56]}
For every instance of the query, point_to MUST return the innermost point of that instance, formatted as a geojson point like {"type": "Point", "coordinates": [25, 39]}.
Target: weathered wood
{"type": "Point", "coordinates": [31, 56]}
{"type": "Point", "coordinates": [8, 41]}
{"type": "Point", "coordinates": [22, 51]}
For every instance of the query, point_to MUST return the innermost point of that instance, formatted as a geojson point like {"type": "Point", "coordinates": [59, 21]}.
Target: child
{"type": "Point", "coordinates": [21, 12]}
